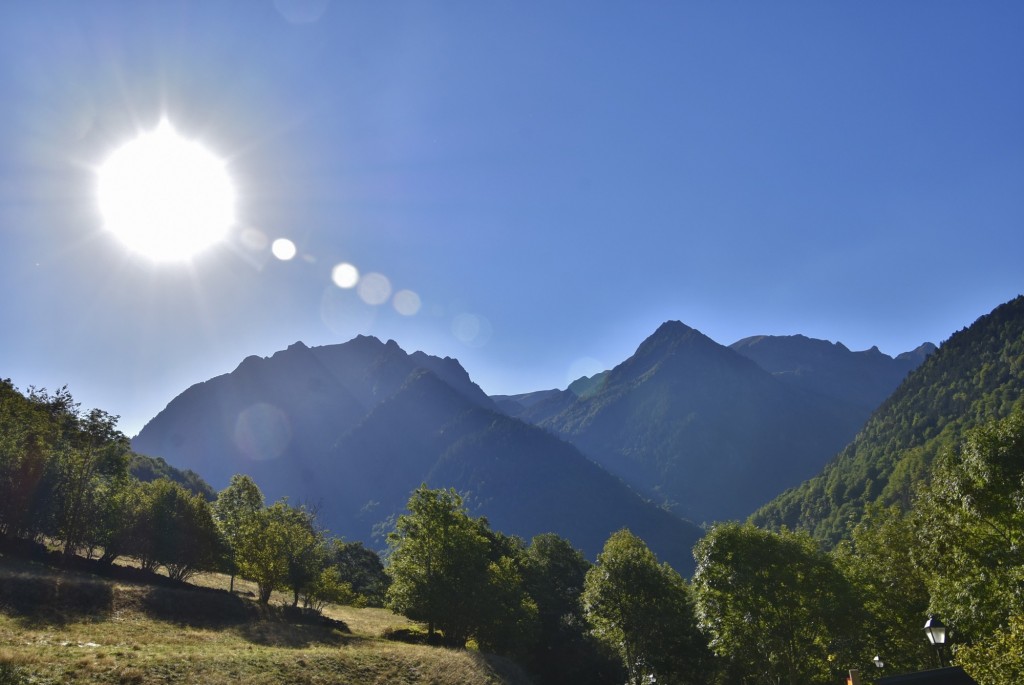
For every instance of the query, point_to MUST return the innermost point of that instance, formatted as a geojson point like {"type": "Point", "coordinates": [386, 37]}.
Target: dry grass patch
{"type": "Point", "coordinates": [95, 630]}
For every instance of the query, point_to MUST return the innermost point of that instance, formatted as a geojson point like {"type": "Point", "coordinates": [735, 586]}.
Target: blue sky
{"type": "Point", "coordinates": [552, 180]}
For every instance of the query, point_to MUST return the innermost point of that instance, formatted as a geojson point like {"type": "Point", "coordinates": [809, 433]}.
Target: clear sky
{"type": "Point", "coordinates": [545, 182]}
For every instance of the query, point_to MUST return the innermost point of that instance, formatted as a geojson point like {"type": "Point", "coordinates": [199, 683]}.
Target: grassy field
{"type": "Point", "coordinates": [64, 627]}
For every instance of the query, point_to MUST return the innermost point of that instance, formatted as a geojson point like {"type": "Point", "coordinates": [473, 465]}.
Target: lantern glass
{"type": "Point", "coordinates": [935, 630]}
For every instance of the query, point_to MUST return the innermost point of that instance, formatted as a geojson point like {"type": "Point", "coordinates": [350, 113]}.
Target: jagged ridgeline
{"type": "Point", "coordinates": [975, 376]}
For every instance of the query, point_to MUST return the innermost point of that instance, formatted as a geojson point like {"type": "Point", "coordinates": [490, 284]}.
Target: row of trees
{"type": "Point", "coordinates": [64, 476]}
{"type": "Point", "coordinates": [280, 547]}
{"type": "Point", "coordinates": [762, 606]}
{"type": "Point", "coordinates": [61, 471]}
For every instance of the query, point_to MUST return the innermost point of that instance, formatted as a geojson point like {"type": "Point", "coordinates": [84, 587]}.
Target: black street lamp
{"type": "Point", "coordinates": [936, 632]}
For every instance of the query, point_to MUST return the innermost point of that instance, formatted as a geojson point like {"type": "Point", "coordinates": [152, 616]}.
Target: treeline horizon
{"type": "Point", "coordinates": [760, 605]}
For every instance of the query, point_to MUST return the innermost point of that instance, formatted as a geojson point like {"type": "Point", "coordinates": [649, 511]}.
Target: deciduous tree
{"type": "Point", "coordinates": [234, 510]}
{"type": "Point", "coordinates": [774, 606]}
{"type": "Point", "coordinates": [971, 522]}
{"type": "Point", "coordinates": [438, 565]}
{"type": "Point", "coordinates": [642, 609]}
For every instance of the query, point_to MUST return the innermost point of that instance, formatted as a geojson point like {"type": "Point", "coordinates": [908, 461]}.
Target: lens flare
{"type": "Point", "coordinates": [374, 289]}
{"type": "Point", "coordinates": [406, 303]}
{"type": "Point", "coordinates": [262, 432]}
{"type": "Point", "coordinates": [345, 275]}
{"type": "Point", "coordinates": [472, 329]}
{"type": "Point", "coordinates": [283, 249]}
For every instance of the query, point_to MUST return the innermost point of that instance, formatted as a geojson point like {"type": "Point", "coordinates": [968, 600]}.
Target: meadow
{"type": "Point", "coordinates": [62, 626]}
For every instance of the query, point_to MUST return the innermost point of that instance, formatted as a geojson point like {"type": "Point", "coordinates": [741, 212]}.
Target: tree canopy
{"type": "Point", "coordinates": [774, 606]}
{"type": "Point", "coordinates": [642, 609]}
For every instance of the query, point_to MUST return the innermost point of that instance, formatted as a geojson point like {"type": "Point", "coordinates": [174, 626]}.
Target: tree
{"type": "Point", "coordinates": [999, 658]}
{"type": "Point", "coordinates": [363, 569]}
{"type": "Point", "coordinates": [642, 609]}
{"type": "Point", "coordinates": [305, 552]}
{"type": "Point", "coordinates": [565, 652]}
{"type": "Point", "coordinates": [185, 537]}
{"type": "Point", "coordinates": [277, 548]}
{"type": "Point", "coordinates": [879, 560]}
{"type": "Point", "coordinates": [554, 573]}
{"type": "Point", "coordinates": [774, 606]}
{"type": "Point", "coordinates": [25, 449]}
{"type": "Point", "coordinates": [328, 588]}
{"type": "Point", "coordinates": [508, 621]}
{"type": "Point", "coordinates": [90, 457]}
{"type": "Point", "coordinates": [438, 565]}
{"type": "Point", "coordinates": [119, 523]}
{"type": "Point", "coordinates": [971, 522]}
{"type": "Point", "coordinates": [234, 510]}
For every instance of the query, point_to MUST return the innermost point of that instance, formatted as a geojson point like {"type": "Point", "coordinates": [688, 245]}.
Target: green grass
{"type": "Point", "coordinates": [62, 627]}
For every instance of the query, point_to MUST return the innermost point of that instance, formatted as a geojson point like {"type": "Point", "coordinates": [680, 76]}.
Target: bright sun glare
{"type": "Point", "coordinates": [166, 197]}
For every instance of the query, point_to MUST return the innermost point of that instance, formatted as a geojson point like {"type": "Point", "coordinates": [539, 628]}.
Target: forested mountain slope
{"type": "Point", "coordinates": [976, 375]}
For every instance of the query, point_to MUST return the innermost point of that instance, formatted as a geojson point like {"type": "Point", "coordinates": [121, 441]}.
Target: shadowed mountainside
{"type": "Point", "coordinates": [704, 427]}
{"type": "Point", "coordinates": [352, 429]}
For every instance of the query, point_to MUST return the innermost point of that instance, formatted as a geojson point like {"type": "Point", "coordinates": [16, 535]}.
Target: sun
{"type": "Point", "coordinates": [164, 196]}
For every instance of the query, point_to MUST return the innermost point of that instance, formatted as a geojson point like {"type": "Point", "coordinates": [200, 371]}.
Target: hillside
{"type": "Point", "coordinates": [352, 429]}
{"type": "Point", "coordinates": [67, 627]}
{"type": "Point", "coordinates": [148, 469]}
{"type": "Point", "coordinates": [976, 375]}
{"type": "Point", "coordinates": [704, 428]}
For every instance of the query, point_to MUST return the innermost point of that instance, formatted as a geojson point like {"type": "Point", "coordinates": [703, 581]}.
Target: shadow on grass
{"type": "Point", "coordinates": [507, 670]}
{"type": "Point", "coordinates": [296, 635]}
{"type": "Point", "coordinates": [40, 595]}
{"type": "Point", "coordinates": [55, 599]}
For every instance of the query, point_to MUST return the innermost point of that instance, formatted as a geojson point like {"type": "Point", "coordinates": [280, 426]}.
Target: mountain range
{"type": "Point", "coordinates": [352, 429]}
{"type": "Point", "coordinates": [712, 432]}
{"type": "Point", "coordinates": [685, 428]}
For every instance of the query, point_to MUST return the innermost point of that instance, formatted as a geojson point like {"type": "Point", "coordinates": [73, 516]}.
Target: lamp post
{"type": "Point", "coordinates": [935, 630]}
{"type": "Point", "coordinates": [877, 661]}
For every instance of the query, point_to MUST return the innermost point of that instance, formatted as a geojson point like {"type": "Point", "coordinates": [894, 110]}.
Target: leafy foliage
{"type": "Point", "coordinates": [59, 467]}
{"type": "Point", "coordinates": [438, 565]}
{"type": "Point", "coordinates": [998, 659]}
{"type": "Point", "coordinates": [971, 519]}
{"type": "Point", "coordinates": [362, 569]}
{"type": "Point", "coordinates": [774, 606]}
{"type": "Point", "coordinates": [277, 549]}
{"type": "Point", "coordinates": [328, 587]}
{"type": "Point", "coordinates": [642, 609]}
{"type": "Point", "coordinates": [565, 651]}
{"type": "Point", "coordinates": [174, 528]}
{"type": "Point", "coordinates": [235, 510]}
{"type": "Point", "coordinates": [881, 561]}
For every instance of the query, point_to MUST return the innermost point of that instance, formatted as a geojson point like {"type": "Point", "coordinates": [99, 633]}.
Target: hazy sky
{"type": "Point", "coordinates": [548, 181]}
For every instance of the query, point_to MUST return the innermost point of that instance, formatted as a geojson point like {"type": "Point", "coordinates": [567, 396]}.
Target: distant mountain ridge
{"type": "Point", "coordinates": [702, 428]}
{"type": "Point", "coordinates": [353, 428]}
{"type": "Point", "coordinates": [865, 378]}
{"type": "Point", "coordinates": [716, 431]}
{"type": "Point", "coordinates": [975, 376]}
